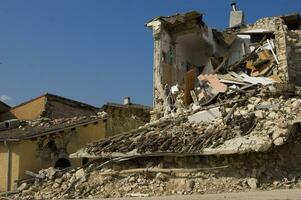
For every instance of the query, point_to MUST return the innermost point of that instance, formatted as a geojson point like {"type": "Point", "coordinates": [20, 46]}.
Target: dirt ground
{"type": "Point", "coordinates": [292, 194]}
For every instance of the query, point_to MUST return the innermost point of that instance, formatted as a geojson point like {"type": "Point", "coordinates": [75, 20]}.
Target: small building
{"type": "Point", "coordinates": [50, 106]}
{"type": "Point", "coordinates": [125, 117]}
{"type": "Point", "coordinates": [42, 143]}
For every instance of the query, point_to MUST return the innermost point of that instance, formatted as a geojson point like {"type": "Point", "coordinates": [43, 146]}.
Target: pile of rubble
{"type": "Point", "coordinates": [258, 67]}
{"type": "Point", "coordinates": [184, 154]}
{"type": "Point", "coordinates": [277, 168]}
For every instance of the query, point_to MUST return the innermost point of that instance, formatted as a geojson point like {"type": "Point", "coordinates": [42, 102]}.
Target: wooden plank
{"type": "Point", "coordinates": [160, 170]}
{"type": "Point", "coordinates": [189, 81]}
{"type": "Point", "coordinates": [214, 82]}
{"type": "Point", "coordinates": [168, 75]}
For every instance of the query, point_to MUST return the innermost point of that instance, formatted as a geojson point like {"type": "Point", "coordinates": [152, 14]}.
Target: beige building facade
{"type": "Point", "coordinates": [43, 149]}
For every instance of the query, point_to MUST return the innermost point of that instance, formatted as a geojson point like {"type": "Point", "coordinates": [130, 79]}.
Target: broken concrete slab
{"type": "Point", "coordinates": [257, 80]}
{"type": "Point", "coordinates": [214, 82]}
{"type": "Point", "coordinates": [205, 115]}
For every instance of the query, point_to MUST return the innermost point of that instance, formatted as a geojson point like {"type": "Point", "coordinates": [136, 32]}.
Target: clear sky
{"type": "Point", "coordinates": [96, 50]}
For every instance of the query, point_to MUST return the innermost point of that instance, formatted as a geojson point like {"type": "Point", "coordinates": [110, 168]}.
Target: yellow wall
{"type": "Point", "coordinates": [28, 159]}
{"type": "Point", "coordinates": [24, 155]}
{"type": "Point", "coordinates": [3, 167]}
{"type": "Point", "coordinates": [4, 164]}
{"type": "Point", "coordinates": [28, 111]}
{"type": "Point", "coordinates": [86, 135]}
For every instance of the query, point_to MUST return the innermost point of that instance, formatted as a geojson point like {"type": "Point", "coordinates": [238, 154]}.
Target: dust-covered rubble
{"type": "Point", "coordinates": [170, 175]}
{"type": "Point", "coordinates": [256, 149]}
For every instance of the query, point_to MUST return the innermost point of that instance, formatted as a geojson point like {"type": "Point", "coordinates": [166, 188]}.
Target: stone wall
{"type": "Point", "coordinates": [123, 118]}
{"type": "Point", "coordinates": [294, 56]}
{"type": "Point", "coordinates": [288, 47]}
{"type": "Point", "coordinates": [281, 49]}
{"type": "Point", "coordinates": [267, 23]}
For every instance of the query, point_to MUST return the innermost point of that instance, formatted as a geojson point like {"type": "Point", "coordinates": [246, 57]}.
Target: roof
{"type": "Point", "coordinates": [136, 106]}
{"type": "Point", "coordinates": [64, 99]}
{"type": "Point", "coordinates": [3, 107]}
{"type": "Point", "coordinates": [178, 18]}
{"type": "Point", "coordinates": [45, 126]}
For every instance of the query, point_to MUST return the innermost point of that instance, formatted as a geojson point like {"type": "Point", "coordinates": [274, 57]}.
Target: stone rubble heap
{"type": "Point", "coordinates": [263, 171]}
{"type": "Point", "coordinates": [263, 115]}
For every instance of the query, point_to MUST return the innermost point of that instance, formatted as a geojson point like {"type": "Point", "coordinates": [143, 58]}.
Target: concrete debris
{"type": "Point", "coordinates": [79, 174]}
{"type": "Point", "coordinates": [205, 115]}
{"type": "Point", "coordinates": [252, 182]}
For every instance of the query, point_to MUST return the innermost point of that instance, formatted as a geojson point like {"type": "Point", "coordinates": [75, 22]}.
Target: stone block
{"type": "Point", "coordinates": [205, 115]}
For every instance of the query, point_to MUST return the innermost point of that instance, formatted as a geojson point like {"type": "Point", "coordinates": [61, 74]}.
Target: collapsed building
{"type": "Point", "coordinates": [226, 117]}
{"type": "Point", "coordinates": [185, 47]}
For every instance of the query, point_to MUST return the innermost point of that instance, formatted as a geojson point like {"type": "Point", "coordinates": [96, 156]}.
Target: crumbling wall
{"type": "Point", "coordinates": [158, 99]}
{"type": "Point", "coordinates": [287, 47]}
{"type": "Point", "coordinates": [125, 118]}
{"type": "Point", "coordinates": [281, 48]}
{"type": "Point", "coordinates": [294, 56]}
{"type": "Point", "coordinates": [276, 25]}
{"type": "Point", "coordinates": [267, 23]}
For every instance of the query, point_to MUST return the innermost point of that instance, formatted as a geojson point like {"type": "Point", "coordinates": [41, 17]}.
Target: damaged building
{"type": "Point", "coordinates": [185, 48]}
{"type": "Point", "coordinates": [30, 145]}
{"type": "Point", "coordinates": [42, 132]}
{"type": "Point", "coordinates": [226, 117]}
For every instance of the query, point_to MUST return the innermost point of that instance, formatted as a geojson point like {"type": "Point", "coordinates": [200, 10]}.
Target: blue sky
{"type": "Point", "coordinates": [96, 51]}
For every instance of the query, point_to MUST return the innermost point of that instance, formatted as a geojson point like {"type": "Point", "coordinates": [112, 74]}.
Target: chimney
{"type": "Point", "coordinates": [233, 5]}
{"type": "Point", "coordinates": [236, 17]}
{"type": "Point", "coordinates": [127, 101]}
